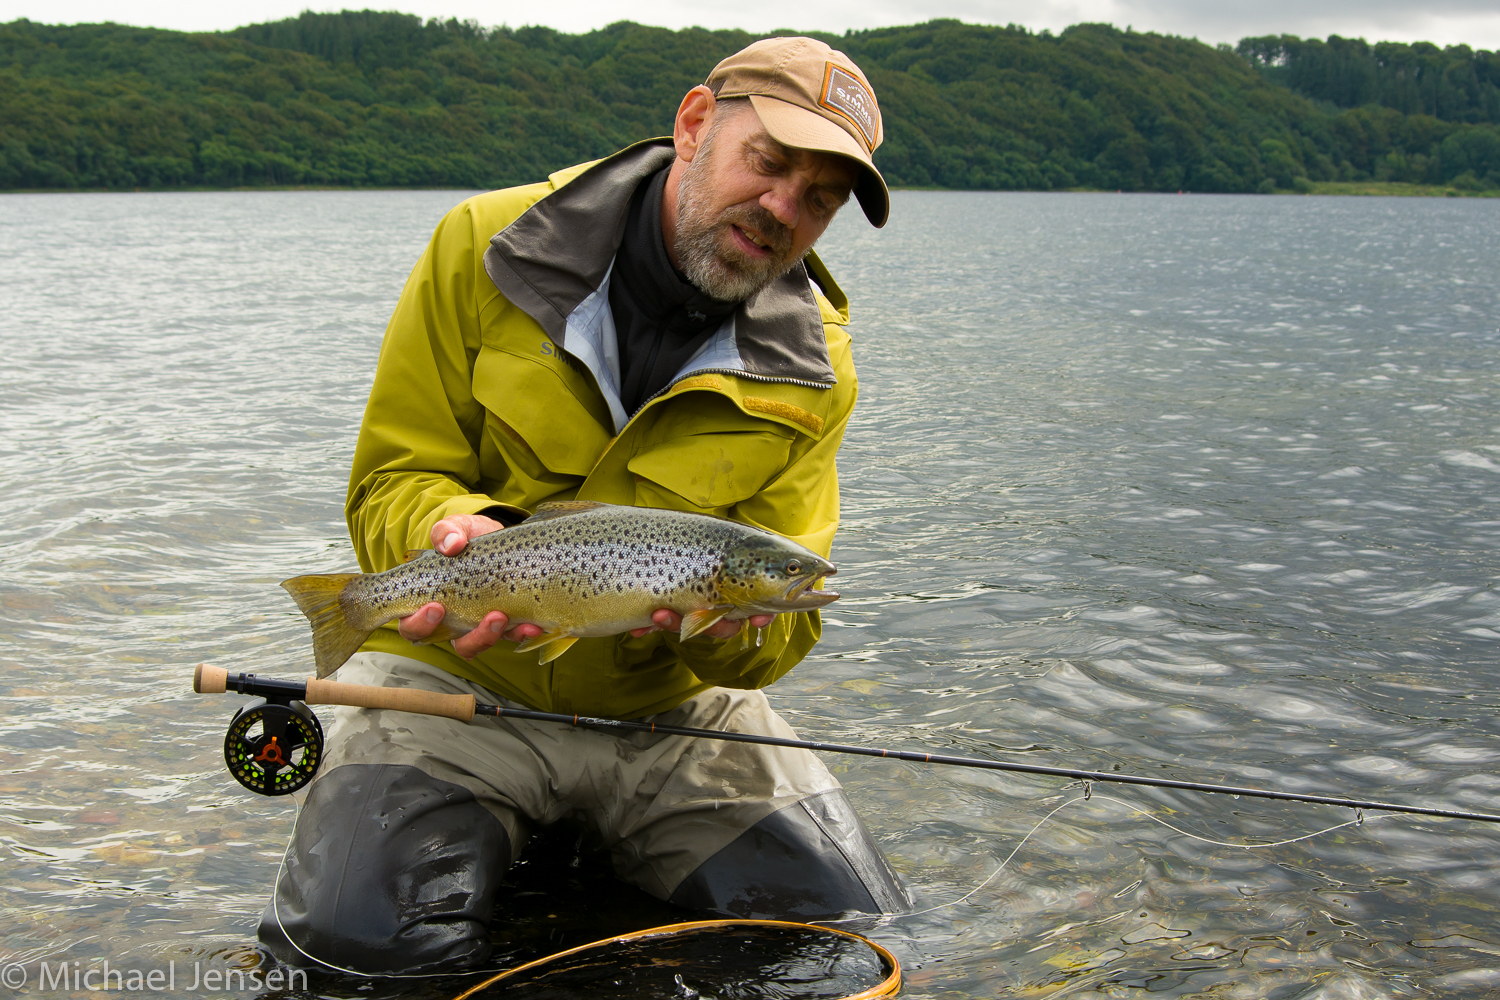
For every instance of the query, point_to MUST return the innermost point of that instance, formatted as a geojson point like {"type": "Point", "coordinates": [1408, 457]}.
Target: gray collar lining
{"type": "Point", "coordinates": [558, 254]}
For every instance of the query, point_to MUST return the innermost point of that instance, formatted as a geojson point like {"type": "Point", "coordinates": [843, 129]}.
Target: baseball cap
{"type": "Point", "coordinates": [811, 96]}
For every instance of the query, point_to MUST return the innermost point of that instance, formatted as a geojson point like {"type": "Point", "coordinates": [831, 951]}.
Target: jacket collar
{"type": "Point", "coordinates": [558, 254]}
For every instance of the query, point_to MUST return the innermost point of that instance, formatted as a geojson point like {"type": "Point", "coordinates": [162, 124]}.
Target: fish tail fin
{"type": "Point", "coordinates": [334, 638]}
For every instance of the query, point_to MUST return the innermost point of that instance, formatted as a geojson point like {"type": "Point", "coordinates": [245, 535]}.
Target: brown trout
{"type": "Point", "coordinates": [576, 569]}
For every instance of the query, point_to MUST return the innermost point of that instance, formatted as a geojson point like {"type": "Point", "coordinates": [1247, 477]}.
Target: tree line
{"type": "Point", "coordinates": [363, 98]}
{"type": "Point", "coordinates": [1454, 84]}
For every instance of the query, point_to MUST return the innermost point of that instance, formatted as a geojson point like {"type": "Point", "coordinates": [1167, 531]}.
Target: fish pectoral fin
{"type": "Point", "coordinates": [552, 645]}
{"type": "Point", "coordinates": [564, 508]}
{"type": "Point", "coordinates": [696, 621]}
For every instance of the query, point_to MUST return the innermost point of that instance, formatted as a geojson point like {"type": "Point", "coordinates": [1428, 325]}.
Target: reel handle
{"type": "Point", "coordinates": [209, 679]}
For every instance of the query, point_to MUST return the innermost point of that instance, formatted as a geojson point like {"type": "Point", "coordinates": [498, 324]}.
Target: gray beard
{"type": "Point", "coordinates": [705, 252]}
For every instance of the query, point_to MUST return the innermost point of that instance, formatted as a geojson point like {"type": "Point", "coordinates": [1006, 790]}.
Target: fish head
{"type": "Point", "coordinates": [768, 574]}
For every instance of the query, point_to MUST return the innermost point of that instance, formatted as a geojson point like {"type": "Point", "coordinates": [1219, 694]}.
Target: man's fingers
{"type": "Point", "coordinates": [524, 631]}
{"type": "Point", "coordinates": [665, 620]}
{"type": "Point", "coordinates": [452, 534]}
{"type": "Point", "coordinates": [662, 620]}
{"type": "Point", "coordinates": [724, 628]}
{"type": "Point", "coordinates": [422, 623]}
{"type": "Point", "coordinates": [491, 627]}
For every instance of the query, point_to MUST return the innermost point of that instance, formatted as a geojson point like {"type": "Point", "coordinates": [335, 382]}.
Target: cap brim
{"type": "Point", "coordinates": [799, 128]}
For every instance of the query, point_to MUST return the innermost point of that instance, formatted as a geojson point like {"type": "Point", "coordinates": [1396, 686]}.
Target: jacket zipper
{"type": "Point", "coordinates": [722, 371]}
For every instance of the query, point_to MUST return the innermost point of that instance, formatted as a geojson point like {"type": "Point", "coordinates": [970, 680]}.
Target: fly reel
{"type": "Point", "coordinates": [273, 747]}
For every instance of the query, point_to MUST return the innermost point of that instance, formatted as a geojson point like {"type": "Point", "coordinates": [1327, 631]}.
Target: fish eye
{"type": "Point", "coordinates": [793, 567]}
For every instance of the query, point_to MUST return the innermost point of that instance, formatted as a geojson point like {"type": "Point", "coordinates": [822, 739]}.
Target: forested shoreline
{"type": "Point", "coordinates": [362, 99]}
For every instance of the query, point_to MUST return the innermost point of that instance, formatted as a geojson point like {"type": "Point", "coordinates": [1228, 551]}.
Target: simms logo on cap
{"type": "Point", "coordinates": [845, 95]}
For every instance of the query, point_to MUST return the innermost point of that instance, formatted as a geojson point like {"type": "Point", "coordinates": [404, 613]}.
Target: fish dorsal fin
{"type": "Point", "coordinates": [564, 508]}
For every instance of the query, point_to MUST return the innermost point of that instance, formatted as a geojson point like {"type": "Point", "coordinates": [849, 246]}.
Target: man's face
{"type": "Point", "coordinates": [749, 208]}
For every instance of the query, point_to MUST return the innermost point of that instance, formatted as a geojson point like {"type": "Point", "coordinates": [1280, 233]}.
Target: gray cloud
{"type": "Point", "coordinates": [1474, 22]}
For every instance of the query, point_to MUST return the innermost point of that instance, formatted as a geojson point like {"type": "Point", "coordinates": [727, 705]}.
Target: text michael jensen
{"type": "Point", "coordinates": [63, 976]}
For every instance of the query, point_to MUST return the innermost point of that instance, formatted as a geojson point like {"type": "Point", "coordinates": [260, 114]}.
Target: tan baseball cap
{"type": "Point", "coordinates": [811, 96]}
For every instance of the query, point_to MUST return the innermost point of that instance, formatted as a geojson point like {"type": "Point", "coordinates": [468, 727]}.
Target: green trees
{"type": "Point", "coordinates": [364, 98]}
{"type": "Point", "coordinates": [1416, 113]}
{"type": "Point", "coordinates": [1454, 84]}
{"type": "Point", "coordinates": [971, 106]}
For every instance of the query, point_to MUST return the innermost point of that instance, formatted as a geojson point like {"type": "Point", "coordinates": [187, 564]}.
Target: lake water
{"type": "Point", "coordinates": [1198, 487]}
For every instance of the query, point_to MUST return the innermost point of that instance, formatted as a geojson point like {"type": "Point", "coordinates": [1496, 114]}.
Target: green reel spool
{"type": "Point", "coordinates": [273, 748]}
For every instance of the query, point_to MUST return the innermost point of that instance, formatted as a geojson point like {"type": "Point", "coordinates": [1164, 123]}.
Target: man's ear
{"type": "Point", "coordinates": [693, 115]}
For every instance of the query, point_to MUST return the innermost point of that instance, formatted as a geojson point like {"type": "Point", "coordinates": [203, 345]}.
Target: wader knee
{"type": "Point", "coordinates": [812, 860]}
{"type": "Point", "coordinates": [389, 870]}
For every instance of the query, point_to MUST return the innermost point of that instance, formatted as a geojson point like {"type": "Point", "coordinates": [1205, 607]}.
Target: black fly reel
{"type": "Point", "coordinates": [273, 748]}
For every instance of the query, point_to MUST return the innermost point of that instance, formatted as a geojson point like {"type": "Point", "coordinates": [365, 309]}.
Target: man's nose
{"type": "Point", "coordinates": [784, 202]}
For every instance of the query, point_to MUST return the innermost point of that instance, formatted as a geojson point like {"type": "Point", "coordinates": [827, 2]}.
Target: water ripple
{"type": "Point", "coordinates": [1200, 487]}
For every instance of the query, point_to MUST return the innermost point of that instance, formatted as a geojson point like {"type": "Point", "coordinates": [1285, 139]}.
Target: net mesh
{"type": "Point", "coordinates": [708, 960]}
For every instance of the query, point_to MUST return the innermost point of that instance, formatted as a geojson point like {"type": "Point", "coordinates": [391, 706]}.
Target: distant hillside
{"type": "Point", "coordinates": [379, 99]}
{"type": "Point", "coordinates": [1455, 84]}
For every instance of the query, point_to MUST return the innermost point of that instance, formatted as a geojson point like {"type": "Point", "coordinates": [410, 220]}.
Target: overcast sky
{"type": "Point", "coordinates": [1475, 22]}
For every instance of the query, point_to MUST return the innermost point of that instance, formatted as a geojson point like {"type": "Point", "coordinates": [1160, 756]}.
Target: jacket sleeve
{"type": "Point", "coordinates": [417, 457]}
{"type": "Point", "coordinates": [803, 504]}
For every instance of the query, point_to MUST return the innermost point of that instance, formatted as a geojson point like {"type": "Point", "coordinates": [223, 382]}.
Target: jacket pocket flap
{"type": "Point", "coordinates": [532, 401]}
{"type": "Point", "coordinates": [715, 469]}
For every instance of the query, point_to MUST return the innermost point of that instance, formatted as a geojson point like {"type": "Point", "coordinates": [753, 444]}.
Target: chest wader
{"type": "Point", "coordinates": [396, 861]}
{"type": "Point", "coordinates": [394, 872]}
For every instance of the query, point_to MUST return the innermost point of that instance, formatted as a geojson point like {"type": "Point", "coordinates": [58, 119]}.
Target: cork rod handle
{"type": "Point", "coordinates": [209, 679]}
{"type": "Point", "coordinates": [450, 706]}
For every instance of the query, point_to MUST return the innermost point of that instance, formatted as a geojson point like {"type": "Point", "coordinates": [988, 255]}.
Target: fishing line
{"type": "Point", "coordinates": [279, 694]}
{"type": "Point", "coordinates": [891, 966]}
{"type": "Point", "coordinates": [1360, 820]}
{"type": "Point", "coordinates": [284, 699]}
{"type": "Point", "coordinates": [1014, 851]}
{"type": "Point", "coordinates": [276, 912]}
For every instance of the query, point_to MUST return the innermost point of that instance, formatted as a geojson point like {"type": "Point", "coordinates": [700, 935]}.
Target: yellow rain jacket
{"type": "Point", "coordinates": [498, 384]}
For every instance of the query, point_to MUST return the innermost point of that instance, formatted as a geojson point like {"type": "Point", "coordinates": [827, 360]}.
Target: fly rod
{"type": "Point", "coordinates": [284, 753]}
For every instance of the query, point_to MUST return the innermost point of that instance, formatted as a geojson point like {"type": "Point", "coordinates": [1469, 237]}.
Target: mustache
{"type": "Point", "coordinates": [754, 217]}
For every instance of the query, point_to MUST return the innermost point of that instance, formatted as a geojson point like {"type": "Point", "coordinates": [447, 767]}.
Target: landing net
{"type": "Point", "coordinates": [708, 960]}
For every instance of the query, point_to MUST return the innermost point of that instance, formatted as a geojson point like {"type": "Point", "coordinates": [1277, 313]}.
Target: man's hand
{"type": "Point", "coordinates": [671, 621]}
{"type": "Point", "coordinates": [450, 536]}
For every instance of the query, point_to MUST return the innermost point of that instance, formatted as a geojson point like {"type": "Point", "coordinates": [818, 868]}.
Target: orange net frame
{"type": "Point", "coordinates": [887, 987]}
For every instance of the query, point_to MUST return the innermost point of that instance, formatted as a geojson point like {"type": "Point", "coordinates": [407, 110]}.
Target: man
{"type": "Point", "coordinates": [651, 329]}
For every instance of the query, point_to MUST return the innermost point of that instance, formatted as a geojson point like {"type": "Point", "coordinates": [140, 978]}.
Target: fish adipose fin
{"type": "Point", "coordinates": [552, 645]}
{"type": "Point", "coordinates": [334, 639]}
{"type": "Point", "coordinates": [417, 554]}
{"type": "Point", "coordinates": [696, 621]}
{"type": "Point", "coordinates": [563, 508]}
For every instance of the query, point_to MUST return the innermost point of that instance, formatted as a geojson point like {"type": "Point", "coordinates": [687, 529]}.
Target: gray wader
{"type": "Point", "coordinates": [406, 833]}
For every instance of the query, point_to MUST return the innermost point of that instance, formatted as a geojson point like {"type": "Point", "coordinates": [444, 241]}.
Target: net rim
{"type": "Point", "coordinates": [887, 987]}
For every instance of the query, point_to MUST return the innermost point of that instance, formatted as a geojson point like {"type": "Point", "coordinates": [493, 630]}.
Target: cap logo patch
{"type": "Point", "coordinates": [846, 96]}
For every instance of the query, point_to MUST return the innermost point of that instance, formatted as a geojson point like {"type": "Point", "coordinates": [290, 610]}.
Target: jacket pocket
{"type": "Point", "coordinates": [533, 419]}
{"type": "Point", "coordinates": [713, 471]}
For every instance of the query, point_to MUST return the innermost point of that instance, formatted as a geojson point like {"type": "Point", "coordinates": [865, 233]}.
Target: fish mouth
{"type": "Point", "coordinates": [801, 597]}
